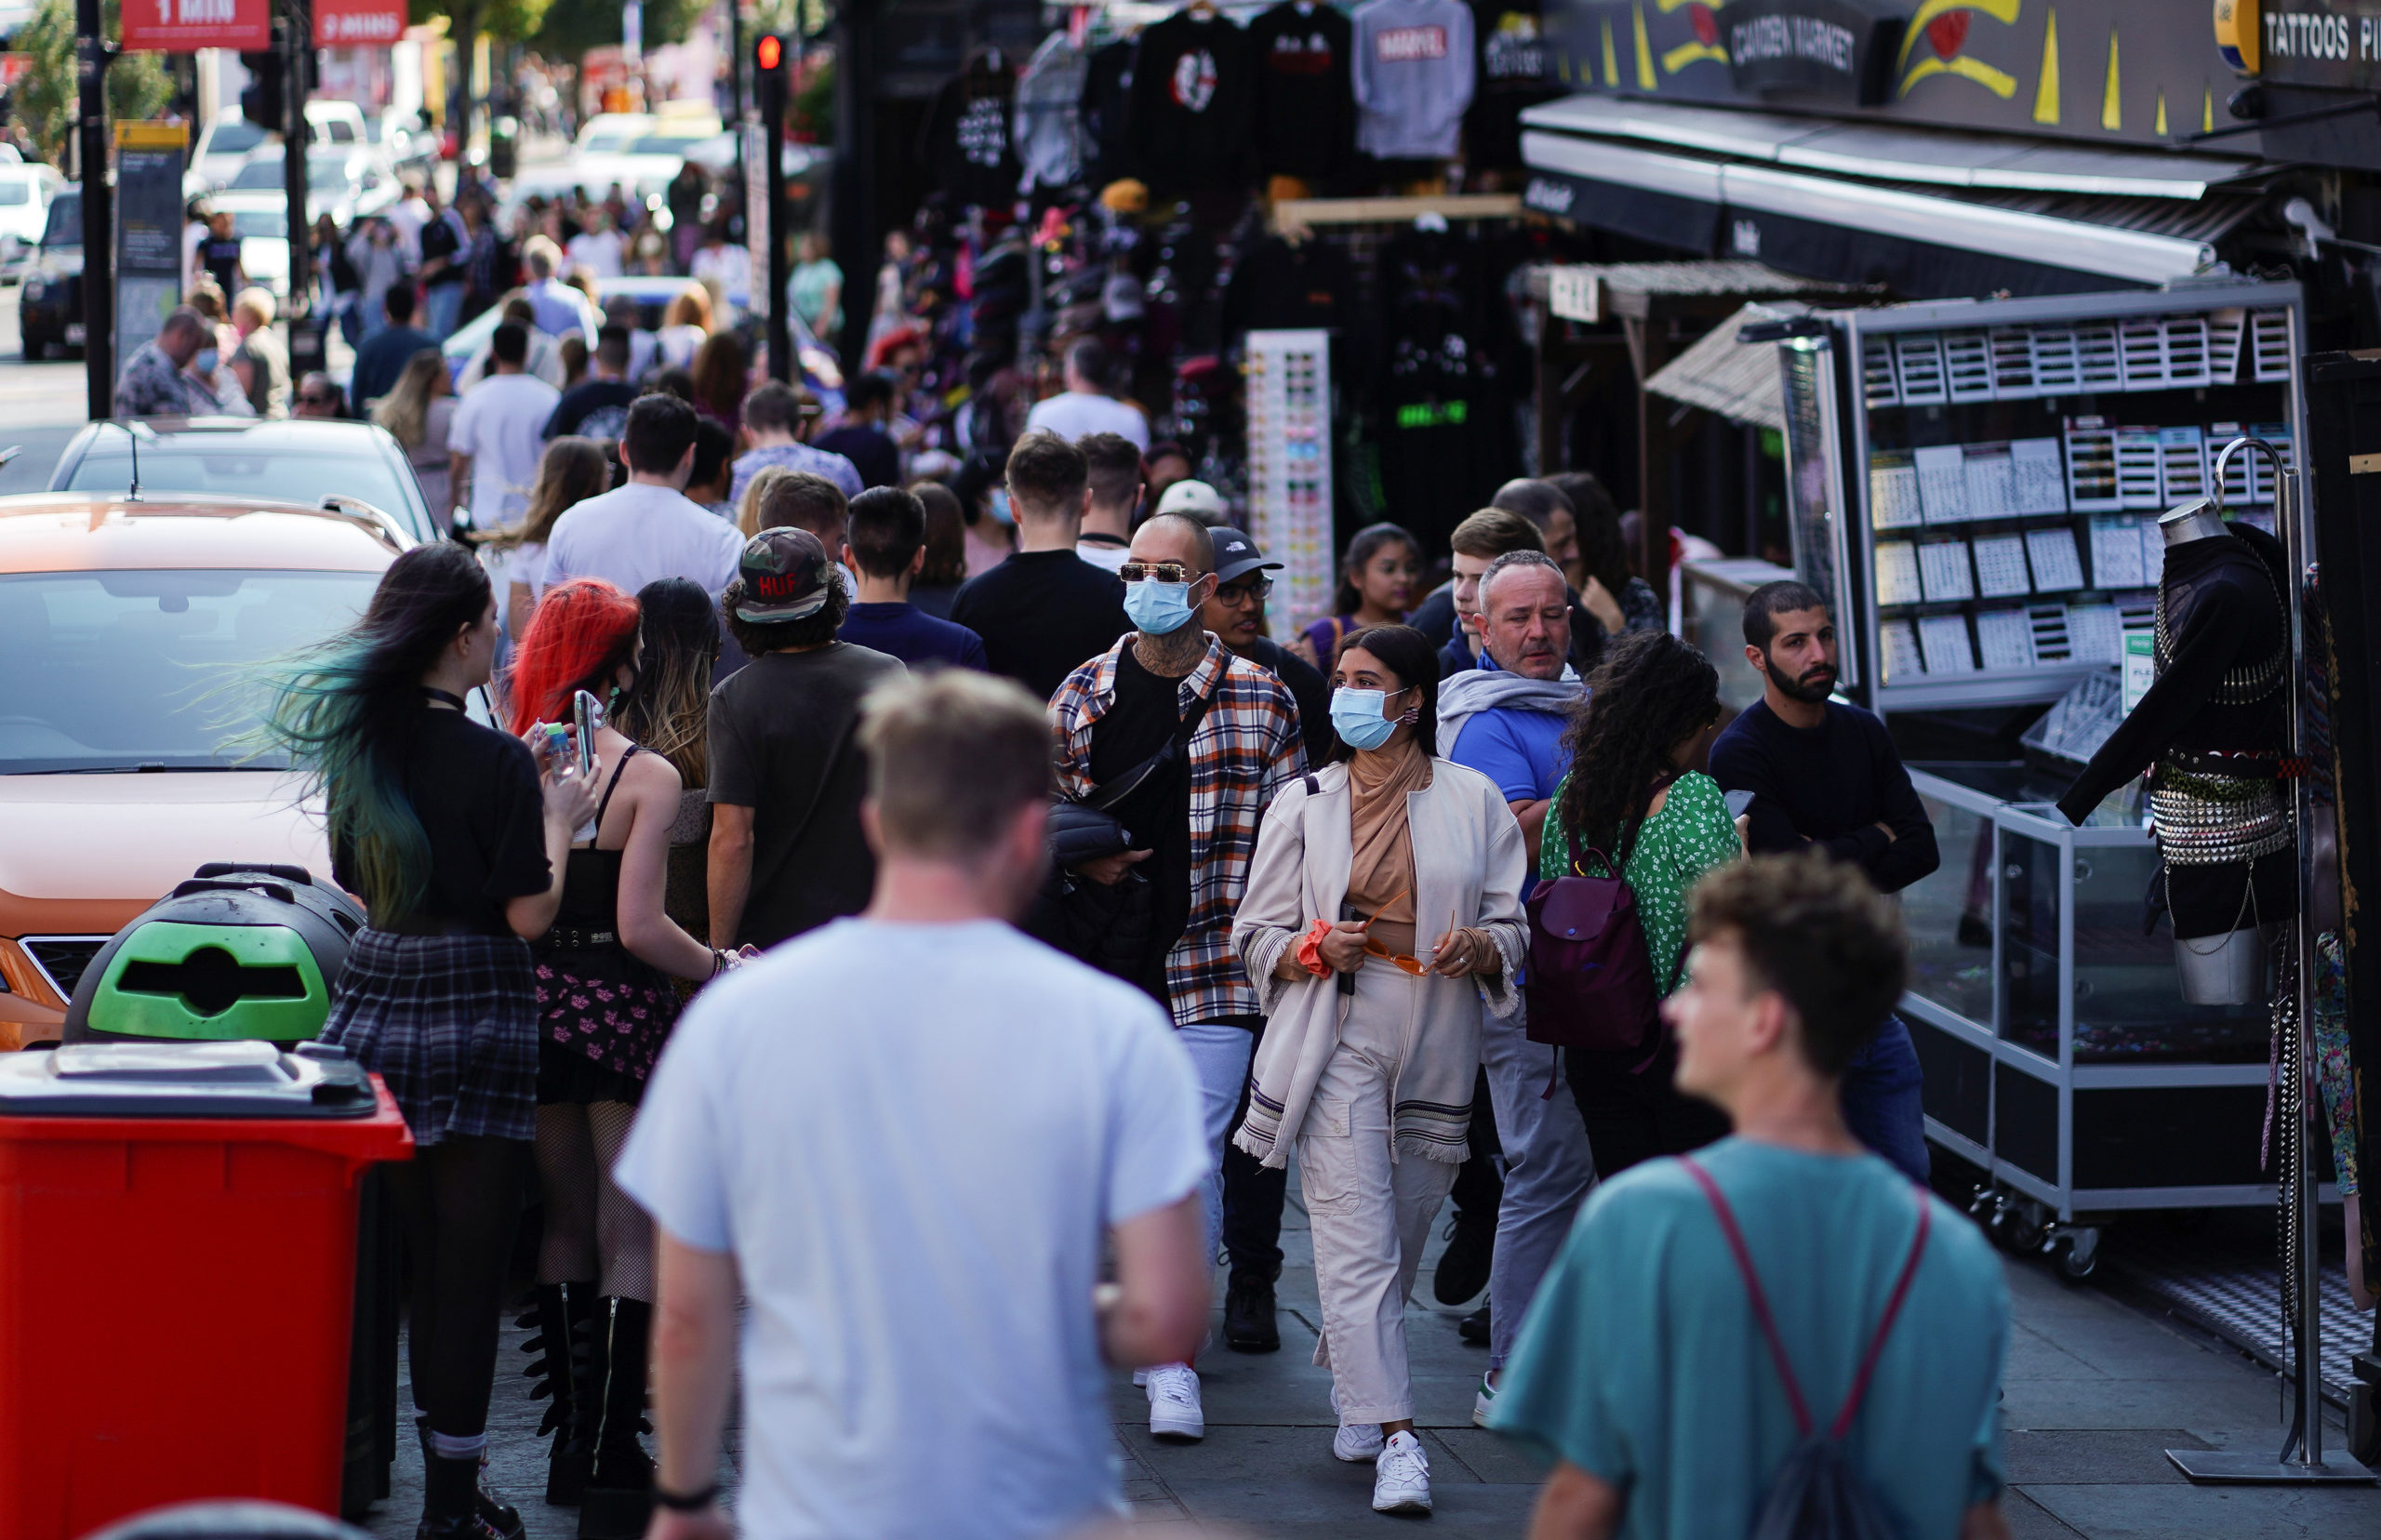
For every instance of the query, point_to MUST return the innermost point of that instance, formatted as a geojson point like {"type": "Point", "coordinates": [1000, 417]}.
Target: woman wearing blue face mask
{"type": "Point", "coordinates": [1384, 906]}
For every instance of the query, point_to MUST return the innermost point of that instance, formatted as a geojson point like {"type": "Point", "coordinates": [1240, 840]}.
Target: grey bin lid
{"type": "Point", "coordinates": [184, 1080]}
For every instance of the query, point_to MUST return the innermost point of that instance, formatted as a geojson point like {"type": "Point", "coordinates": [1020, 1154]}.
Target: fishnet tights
{"type": "Point", "coordinates": [592, 1228]}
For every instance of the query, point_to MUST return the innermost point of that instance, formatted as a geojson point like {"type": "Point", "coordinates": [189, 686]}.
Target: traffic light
{"type": "Point", "coordinates": [770, 67]}
{"type": "Point", "coordinates": [261, 100]}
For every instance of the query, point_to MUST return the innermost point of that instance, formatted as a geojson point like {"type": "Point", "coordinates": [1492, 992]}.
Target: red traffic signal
{"type": "Point", "coordinates": [769, 52]}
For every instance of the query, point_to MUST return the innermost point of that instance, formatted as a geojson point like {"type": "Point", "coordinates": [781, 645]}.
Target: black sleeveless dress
{"type": "Point", "coordinates": [602, 1014]}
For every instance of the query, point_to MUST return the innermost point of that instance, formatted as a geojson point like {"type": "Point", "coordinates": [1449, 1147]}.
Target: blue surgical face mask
{"type": "Point", "coordinates": [205, 362]}
{"type": "Point", "coordinates": [1002, 513]}
{"type": "Point", "coordinates": [1158, 609]}
{"type": "Point", "coordinates": [1356, 717]}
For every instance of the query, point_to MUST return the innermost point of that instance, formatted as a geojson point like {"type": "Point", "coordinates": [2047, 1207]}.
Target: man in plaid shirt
{"type": "Point", "coordinates": [1203, 808]}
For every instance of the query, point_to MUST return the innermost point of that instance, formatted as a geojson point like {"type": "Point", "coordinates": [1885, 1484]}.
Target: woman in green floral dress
{"type": "Point", "coordinates": [1630, 797]}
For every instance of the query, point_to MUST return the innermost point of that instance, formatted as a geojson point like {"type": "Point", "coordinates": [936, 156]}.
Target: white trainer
{"type": "Point", "coordinates": [1357, 1444]}
{"type": "Point", "coordinates": [1173, 1404]}
{"type": "Point", "coordinates": [1484, 1401]}
{"type": "Point", "coordinates": [1402, 1477]}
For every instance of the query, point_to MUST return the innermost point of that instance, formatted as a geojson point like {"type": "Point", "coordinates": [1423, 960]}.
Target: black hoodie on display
{"type": "Point", "coordinates": [1515, 70]}
{"type": "Point", "coordinates": [966, 142]}
{"type": "Point", "coordinates": [1306, 98]}
{"type": "Point", "coordinates": [1193, 98]}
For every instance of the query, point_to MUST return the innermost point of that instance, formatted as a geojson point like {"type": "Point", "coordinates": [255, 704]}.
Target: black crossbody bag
{"type": "Point", "coordinates": [1107, 926]}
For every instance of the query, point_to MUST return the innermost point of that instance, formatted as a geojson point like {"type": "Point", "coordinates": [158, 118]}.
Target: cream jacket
{"type": "Point", "coordinates": [1469, 861]}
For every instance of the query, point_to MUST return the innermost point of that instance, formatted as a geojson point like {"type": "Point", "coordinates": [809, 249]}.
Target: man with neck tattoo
{"type": "Point", "coordinates": [1229, 729]}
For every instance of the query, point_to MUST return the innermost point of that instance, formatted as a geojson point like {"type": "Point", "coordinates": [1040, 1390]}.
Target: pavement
{"type": "Point", "coordinates": [2097, 1388]}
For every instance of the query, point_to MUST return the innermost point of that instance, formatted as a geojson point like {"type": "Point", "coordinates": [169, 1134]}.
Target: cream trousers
{"type": "Point", "coordinates": [1370, 1212]}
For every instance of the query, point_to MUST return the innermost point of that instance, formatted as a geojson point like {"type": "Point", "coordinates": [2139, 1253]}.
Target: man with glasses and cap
{"type": "Point", "coordinates": [1230, 731]}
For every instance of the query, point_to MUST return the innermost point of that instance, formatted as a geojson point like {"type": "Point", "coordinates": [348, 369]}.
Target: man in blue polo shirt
{"type": "Point", "coordinates": [1506, 719]}
{"type": "Point", "coordinates": [885, 545]}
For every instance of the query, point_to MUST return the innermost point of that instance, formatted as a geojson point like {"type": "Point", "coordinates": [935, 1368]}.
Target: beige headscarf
{"type": "Point", "coordinates": [1382, 873]}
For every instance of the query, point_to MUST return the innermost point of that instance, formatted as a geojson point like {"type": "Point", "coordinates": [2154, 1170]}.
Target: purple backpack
{"type": "Point", "coordinates": [1590, 980]}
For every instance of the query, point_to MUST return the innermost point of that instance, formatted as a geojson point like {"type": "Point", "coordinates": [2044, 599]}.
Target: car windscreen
{"type": "Point", "coordinates": [265, 222]}
{"type": "Point", "coordinates": [234, 138]}
{"type": "Point", "coordinates": [667, 145]}
{"type": "Point", "coordinates": [15, 192]}
{"type": "Point", "coordinates": [168, 467]}
{"type": "Point", "coordinates": [65, 227]}
{"type": "Point", "coordinates": [134, 670]}
{"type": "Point", "coordinates": [257, 175]}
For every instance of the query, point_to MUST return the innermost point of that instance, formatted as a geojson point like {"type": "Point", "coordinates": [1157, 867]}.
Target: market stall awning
{"type": "Point", "coordinates": [1737, 380]}
{"type": "Point", "coordinates": [1928, 213]}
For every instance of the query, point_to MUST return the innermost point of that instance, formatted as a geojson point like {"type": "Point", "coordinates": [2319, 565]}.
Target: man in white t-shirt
{"type": "Point", "coordinates": [1086, 406]}
{"type": "Point", "coordinates": [649, 529]}
{"type": "Point", "coordinates": [497, 432]}
{"type": "Point", "coordinates": [599, 248]}
{"type": "Point", "coordinates": [904, 1138]}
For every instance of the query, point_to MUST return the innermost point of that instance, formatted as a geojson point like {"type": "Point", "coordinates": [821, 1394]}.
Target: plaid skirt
{"type": "Point", "coordinates": [451, 1023]}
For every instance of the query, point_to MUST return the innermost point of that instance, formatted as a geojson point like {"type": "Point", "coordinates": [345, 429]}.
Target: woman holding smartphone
{"type": "Point", "coordinates": [1384, 905]}
{"type": "Point", "coordinates": [605, 1007]}
{"type": "Point", "coordinates": [458, 847]}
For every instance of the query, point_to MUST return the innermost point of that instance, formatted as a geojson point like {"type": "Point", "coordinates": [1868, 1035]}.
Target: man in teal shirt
{"type": "Point", "coordinates": [1642, 1369]}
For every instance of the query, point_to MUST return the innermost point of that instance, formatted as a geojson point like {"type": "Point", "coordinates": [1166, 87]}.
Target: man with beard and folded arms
{"type": "Point", "coordinates": [1825, 773]}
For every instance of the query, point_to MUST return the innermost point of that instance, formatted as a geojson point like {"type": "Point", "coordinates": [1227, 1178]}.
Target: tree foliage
{"type": "Point", "coordinates": [46, 98]}
{"type": "Point", "coordinates": [572, 27]}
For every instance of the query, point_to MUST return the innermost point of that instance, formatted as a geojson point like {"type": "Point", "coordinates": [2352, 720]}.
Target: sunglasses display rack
{"type": "Point", "coordinates": [1289, 469]}
{"type": "Point", "coordinates": [1999, 467]}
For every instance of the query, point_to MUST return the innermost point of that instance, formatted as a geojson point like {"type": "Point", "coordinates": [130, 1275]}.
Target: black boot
{"type": "Point", "coordinates": [1249, 1326]}
{"type": "Point", "coordinates": [619, 1493]}
{"type": "Point", "coordinates": [563, 1315]}
{"type": "Point", "coordinates": [493, 1517]}
{"type": "Point", "coordinates": [457, 1508]}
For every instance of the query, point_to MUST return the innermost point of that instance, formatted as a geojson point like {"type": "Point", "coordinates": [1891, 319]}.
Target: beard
{"type": "Point", "coordinates": [1812, 689]}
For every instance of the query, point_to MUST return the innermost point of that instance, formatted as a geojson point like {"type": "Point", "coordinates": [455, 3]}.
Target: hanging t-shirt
{"type": "Point", "coordinates": [1515, 70]}
{"type": "Point", "coordinates": [966, 144]}
{"type": "Point", "coordinates": [1306, 104]}
{"type": "Point", "coordinates": [1282, 286]}
{"type": "Point", "coordinates": [1107, 92]}
{"type": "Point", "coordinates": [1049, 126]}
{"type": "Point", "coordinates": [1444, 446]}
{"type": "Point", "coordinates": [1412, 76]}
{"type": "Point", "coordinates": [1194, 97]}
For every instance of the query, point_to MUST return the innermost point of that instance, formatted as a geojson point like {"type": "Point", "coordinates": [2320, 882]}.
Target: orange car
{"type": "Point", "coordinates": [127, 629]}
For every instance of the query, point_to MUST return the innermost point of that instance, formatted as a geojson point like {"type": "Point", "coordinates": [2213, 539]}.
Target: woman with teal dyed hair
{"type": "Point", "coordinates": [456, 844]}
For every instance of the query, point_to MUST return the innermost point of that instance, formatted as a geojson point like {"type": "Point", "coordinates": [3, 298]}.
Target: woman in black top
{"type": "Point", "coordinates": [457, 845]}
{"type": "Point", "coordinates": [604, 1007]}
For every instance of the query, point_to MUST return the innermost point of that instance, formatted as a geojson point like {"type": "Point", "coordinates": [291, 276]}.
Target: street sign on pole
{"type": "Point", "coordinates": [186, 26]}
{"type": "Point", "coordinates": [358, 24]}
{"type": "Point", "coordinates": [148, 233]}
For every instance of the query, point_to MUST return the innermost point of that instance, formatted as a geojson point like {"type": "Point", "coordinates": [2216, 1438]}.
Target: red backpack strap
{"type": "Point", "coordinates": [1893, 1308]}
{"type": "Point", "coordinates": [1727, 1218]}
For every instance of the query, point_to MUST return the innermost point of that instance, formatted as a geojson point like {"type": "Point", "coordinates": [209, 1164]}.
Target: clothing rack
{"type": "Point", "coordinates": [1300, 216]}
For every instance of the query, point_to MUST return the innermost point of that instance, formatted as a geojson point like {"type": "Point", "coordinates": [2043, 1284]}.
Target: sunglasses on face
{"type": "Point", "coordinates": [1259, 589]}
{"type": "Point", "coordinates": [1163, 571]}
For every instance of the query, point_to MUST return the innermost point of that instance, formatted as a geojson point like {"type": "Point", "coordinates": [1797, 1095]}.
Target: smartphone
{"type": "Point", "coordinates": [587, 716]}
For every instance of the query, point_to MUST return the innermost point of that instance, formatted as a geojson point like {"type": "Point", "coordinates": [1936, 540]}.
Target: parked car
{"type": "Point", "coordinates": [342, 183]}
{"type": "Point", "coordinates": [262, 221]}
{"type": "Point", "coordinates": [301, 461]}
{"type": "Point", "coordinates": [49, 310]}
{"type": "Point", "coordinates": [222, 149]}
{"type": "Point", "coordinates": [127, 626]}
{"type": "Point", "coordinates": [25, 194]}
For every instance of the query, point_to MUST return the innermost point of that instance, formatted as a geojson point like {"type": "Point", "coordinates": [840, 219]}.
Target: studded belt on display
{"type": "Point", "coordinates": [2208, 819]}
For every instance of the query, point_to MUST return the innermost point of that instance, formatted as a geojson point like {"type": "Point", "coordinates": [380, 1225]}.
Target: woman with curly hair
{"type": "Point", "coordinates": [457, 845]}
{"type": "Point", "coordinates": [1630, 803]}
{"type": "Point", "coordinates": [604, 1009]}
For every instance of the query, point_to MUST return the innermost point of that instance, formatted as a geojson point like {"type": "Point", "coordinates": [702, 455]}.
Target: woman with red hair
{"type": "Point", "coordinates": [604, 1009]}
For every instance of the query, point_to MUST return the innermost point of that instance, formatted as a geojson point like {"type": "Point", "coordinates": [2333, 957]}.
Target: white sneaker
{"type": "Point", "coordinates": [1402, 1477]}
{"type": "Point", "coordinates": [1355, 1443]}
{"type": "Point", "coordinates": [1483, 1400]}
{"type": "Point", "coordinates": [1173, 1404]}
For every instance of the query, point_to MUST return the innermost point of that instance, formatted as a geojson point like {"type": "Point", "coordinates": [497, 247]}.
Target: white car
{"type": "Point", "coordinates": [262, 221]}
{"type": "Point", "coordinates": [25, 192]}
{"type": "Point", "coordinates": [344, 184]}
{"type": "Point", "coordinates": [332, 125]}
{"type": "Point", "coordinates": [223, 148]}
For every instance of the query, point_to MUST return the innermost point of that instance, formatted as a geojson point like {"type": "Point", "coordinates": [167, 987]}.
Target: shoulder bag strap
{"type": "Point", "coordinates": [1752, 1288]}
{"type": "Point", "coordinates": [1104, 797]}
{"type": "Point", "coordinates": [1893, 1309]}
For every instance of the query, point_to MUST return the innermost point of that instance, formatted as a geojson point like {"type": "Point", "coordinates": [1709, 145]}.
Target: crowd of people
{"type": "Point", "coordinates": [1064, 903]}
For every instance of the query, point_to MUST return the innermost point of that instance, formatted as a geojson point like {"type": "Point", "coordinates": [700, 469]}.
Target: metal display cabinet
{"type": "Point", "coordinates": [2059, 1055]}
{"type": "Point", "coordinates": [1974, 483]}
